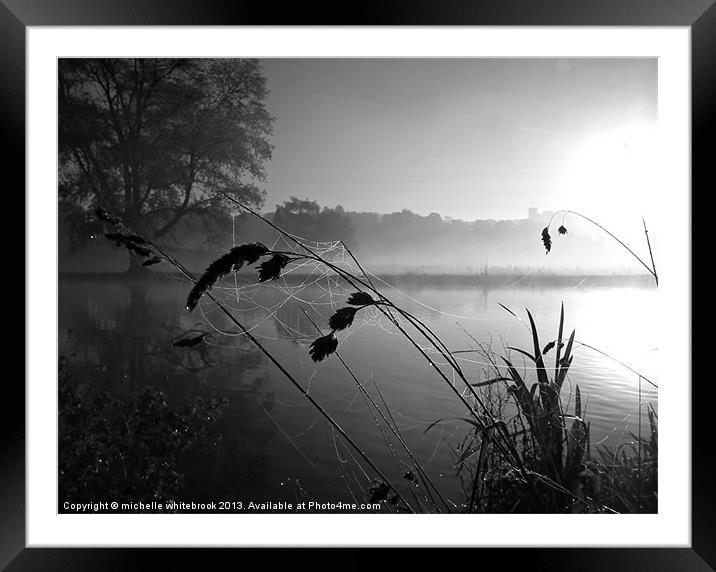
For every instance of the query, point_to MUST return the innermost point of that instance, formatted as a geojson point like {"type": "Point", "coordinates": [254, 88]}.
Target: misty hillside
{"type": "Point", "coordinates": [395, 243]}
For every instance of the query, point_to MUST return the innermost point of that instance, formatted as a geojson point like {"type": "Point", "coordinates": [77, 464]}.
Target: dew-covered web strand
{"type": "Point", "coordinates": [314, 275]}
{"type": "Point", "coordinates": [294, 286]}
{"type": "Point", "coordinates": [244, 297]}
{"type": "Point", "coordinates": [313, 285]}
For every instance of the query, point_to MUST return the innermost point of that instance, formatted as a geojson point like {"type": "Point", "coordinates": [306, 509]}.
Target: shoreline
{"type": "Point", "coordinates": [519, 280]}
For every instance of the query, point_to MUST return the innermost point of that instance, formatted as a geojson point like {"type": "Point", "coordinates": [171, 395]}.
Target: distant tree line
{"type": "Point", "coordinates": [407, 241]}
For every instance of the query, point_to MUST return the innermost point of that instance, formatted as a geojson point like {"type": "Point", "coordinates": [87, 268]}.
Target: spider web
{"type": "Point", "coordinates": [318, 290]}
{"type": "Point", "coordinates": [309, 284]}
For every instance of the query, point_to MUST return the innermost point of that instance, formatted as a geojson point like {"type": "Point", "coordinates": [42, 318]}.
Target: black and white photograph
{"type": "Point", "coordinates": [358, 285]}
{"type": "Point", "coordinates": [412, 278]}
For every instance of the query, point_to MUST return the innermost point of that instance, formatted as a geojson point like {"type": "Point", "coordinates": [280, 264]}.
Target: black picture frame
{"type": "Point", "coordinates": [17, 15]}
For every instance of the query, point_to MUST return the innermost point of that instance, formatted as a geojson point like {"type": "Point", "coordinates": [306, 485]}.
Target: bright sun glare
{"type": "Point", "coordinates": [612, 176]}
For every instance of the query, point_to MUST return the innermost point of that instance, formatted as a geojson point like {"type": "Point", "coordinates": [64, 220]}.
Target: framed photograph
{"type": "Point", "coordinates": [420, 279]}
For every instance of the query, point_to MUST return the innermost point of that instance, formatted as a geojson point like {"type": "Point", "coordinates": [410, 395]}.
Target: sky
{"type": "Point", "coordinates": [466, 138]}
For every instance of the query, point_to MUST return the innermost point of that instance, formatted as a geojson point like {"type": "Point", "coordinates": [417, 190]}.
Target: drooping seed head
{"type": "Point", "coordinates": [232, 261]}
{"type": "Point", "coordinates": [271, 269]}
{"type": "Point", "coordinates": [322, 347]}
{"type": "Point", "coordinates": [360, 299]}
{"type": "Point", "coordinates": [546, 239]}
{"type": "Point", "coordinates": [342, 319]}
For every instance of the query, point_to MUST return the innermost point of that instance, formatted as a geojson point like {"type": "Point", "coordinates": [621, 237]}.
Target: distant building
{"type": "Point", "coordinates": [534, 214]}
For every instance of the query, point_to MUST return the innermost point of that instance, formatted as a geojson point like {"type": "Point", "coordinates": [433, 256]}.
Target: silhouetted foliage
{"type": "Point", "coordinates": [191, 341]}
{"type": "Point", "coordinates": [232, 261]}
{"type": "Point", "coordinates": [360, 299]}
{"type": "Point", "coordinates": [151, 261]}
{"type": "Point", "coordinates": [323, 347]}
{"type": "Point", "coordinates": [271, 269]}
{"type": "Point", "coordinates": [155, 140]}
{"type": "Point", "coordinates": [342, 318]}
{"type": "Point", "coordinates": [550, 345]}
{"type": "Point", "coordinates": [546, 239]}
{"type": "Point", "coordinates": [378, 492]}
{"type": "Point", "coordinates": [131, 242]}
{"type": "Point", "coordinates": [125, 450]}
{"type": "Point", "coordinates": [306, 219]}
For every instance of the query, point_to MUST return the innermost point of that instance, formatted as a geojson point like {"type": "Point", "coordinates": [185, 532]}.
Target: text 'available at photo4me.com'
{"type": "Point", "coordinates": [216, 507]}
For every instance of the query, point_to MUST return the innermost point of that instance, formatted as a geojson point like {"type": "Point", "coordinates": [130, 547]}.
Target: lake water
{"type": "Point", "coordinates": [275, 446]}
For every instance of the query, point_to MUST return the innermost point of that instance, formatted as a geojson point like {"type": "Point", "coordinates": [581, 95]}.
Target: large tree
{"type": "Point", "coordinates": [156, 141]}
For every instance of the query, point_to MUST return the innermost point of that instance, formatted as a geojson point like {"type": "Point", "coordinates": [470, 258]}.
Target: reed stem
{"type": "Point", "coordinates": [286, 374]}
{"type": "Point", "coordinates": [651, 270]}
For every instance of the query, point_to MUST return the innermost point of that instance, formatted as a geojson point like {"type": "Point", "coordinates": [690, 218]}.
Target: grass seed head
{"type": "Point", "coordinates": [232, 261]}
{"type": "Point", "coordinates": [342, 319]}
{"type": "Point", "coordinates": [546, 239]}
{"type": "Point", "coordinates": [360, 299]}
{"type": "Point", "coordinates": [324, 346]}
{"type": "Point", "coordinates": [271, 269]}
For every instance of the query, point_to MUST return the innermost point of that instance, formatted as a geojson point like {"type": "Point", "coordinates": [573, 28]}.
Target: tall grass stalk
{"type": "Point", "coordinates": [504, 445]}
{"type": "Point", "coordinates": [624, 481]}
{"type": "Point", "coordinates": [317, 406]}
{"type": "Point", "coordinates": [427, 482]}
{"type": "Point", "coordinates": [651, 269]}
{"type": "Point", "coordinates": [552, 456]}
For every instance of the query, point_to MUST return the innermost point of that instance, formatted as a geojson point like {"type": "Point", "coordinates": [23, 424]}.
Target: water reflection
{"type": "Point", "coordinates": [123, 334]}
{"type": "Point", "coordinates": [125, 331]}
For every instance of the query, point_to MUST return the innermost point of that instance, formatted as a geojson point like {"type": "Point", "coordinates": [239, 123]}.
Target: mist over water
{"type": "Point", "coordinates": [274, 443]}
{"type": "Point", "coordinates": [405, 242]}
{"type": "Point", "coordinates": [269, 182]}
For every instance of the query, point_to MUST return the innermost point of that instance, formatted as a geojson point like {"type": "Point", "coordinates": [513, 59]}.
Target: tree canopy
{"type": "Point", "coordinates": [155, 141]}
{"type": "Point", "coordinates": [306, 219]}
